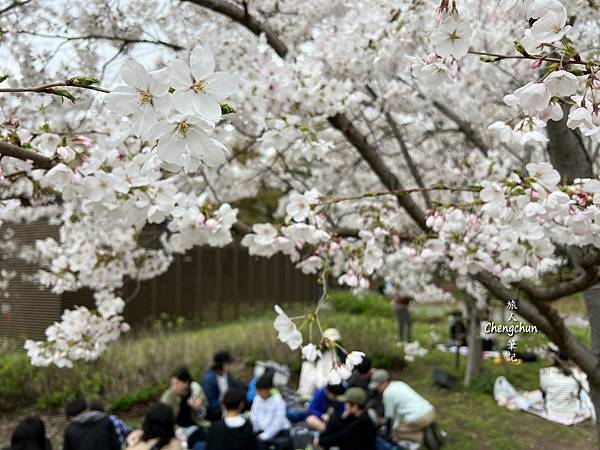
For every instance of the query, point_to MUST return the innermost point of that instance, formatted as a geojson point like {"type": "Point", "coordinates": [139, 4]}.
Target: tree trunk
{"type": "Point", "coordinates": [595, 394]}
{"type": "Point", "coordinates": [567, 151]}
{"type": "Point", "coordinates": [474, 341]}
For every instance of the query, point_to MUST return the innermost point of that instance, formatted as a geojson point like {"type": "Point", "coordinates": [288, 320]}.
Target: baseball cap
{"type": "Point", "coordinates": [378, 377]}
{"type": "Point", "coordinates": [355, 395]}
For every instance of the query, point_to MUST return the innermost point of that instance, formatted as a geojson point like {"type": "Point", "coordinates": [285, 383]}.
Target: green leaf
{"type": "Point", "coordinates": [489, 59]}
{"type": "Point", "coordinates": [226, 108]}
{"type": "Point", "coordinates": [82, 81]}
{"type": "Point", "coordinates": [62, 93]}
{"type": "Point", "coordinates": [3, 77]}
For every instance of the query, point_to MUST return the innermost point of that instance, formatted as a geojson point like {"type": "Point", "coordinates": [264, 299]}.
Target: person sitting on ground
{"type": "Point", "coordinates": [188, 402]}
{"type": "Point", "coordinates": [158, 431]}
{"type": "Point", "coordinates": [323, 405]}
{"type": "Point", "coordinates": [354, 430]}
{"type": "Point", "coordinates": [408, 412]}
{"type": "Point", "coordinates": [233, 432]}
{"type": "Point", "coordinates": [313, 374]}
{"type": "Point", "coordinates": [30, 434]}
{"type": "Point", "coordinates": [120, 427]}
{"type": "Point", "coordinates": [268, 415]}
{"type": "Point", "coordinates": [88, 430]}
{"type": "Point", "coordinates": [215, 383]}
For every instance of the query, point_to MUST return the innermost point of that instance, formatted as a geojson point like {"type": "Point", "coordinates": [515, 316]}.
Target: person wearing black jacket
{"type": "Point", "coordinates": [354, 430]}
{"type": "Point", "coordinates": [233, 432]}
{"type": "Point", "coordinates": [89, 430]}
{"type": "Point", "coordinates": [30, 434]}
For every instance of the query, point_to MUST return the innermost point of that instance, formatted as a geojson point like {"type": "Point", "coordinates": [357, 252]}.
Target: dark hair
{"type": "Point", "coordinates": [233, 399]}
{"type": "Point", "coordinates": [182, 374]}
{"type": "Point", "coordinates": [159, 423]}
{"type": "Point", "coordinates": [30, 434]}
{"type": "Point", "coordinates": [335, 389]}
{"type": "Point", "coordinates": [364, 366]}
{"type": "Point", "coordinates": [266, 380]}
{"type": "Point", "coordinates": [75, 407]}
{"type": "Point", "coordinates": [97, 405]}
{"type": "Point", "coordinates": [220, 359]}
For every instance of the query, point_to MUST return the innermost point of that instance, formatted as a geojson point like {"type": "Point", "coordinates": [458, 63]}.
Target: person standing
{"type": "Point", "coordinates": [400, 306]}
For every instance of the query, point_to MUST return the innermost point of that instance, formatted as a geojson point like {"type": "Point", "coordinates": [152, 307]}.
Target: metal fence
{"type": "Point", "coordinates": [206, 284]}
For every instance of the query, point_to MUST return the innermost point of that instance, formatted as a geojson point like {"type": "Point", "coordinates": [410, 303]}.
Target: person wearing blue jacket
{"type": "Point", "coordinates": [215, 382]}
{"type": "Point", "coordinates": [323, 405]}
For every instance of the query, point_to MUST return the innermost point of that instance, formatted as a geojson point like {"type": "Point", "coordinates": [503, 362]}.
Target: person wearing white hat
{"type": "Point", "coordinates": [313, 374]}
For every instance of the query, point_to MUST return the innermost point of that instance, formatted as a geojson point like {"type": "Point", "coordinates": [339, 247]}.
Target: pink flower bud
{"type": "Point", "coordinates": [536, 63]}
{"type": "Point", "coordinates": [534, 194]}
{"type": "Point", "coordinates": [431, 58]}
{"type": "Point", "coordinates": [596, 83]}
{"type": "Point", "coordinates": [454, 68]}
{"type": "Point", "coordinates": [13, 121]}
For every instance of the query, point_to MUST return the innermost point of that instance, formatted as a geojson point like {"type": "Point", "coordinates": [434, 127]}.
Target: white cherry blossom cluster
{"type": "Point", "coordinates": [290, 334]}
{"type": "Point", "coordinates": [515, 232]}
{"type": "Point", "coordinates": [176, 108]}
{"type": "Point", "coordinates": [81, 334]}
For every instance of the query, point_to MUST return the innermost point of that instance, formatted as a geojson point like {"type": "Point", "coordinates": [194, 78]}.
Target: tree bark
{"type": "Point", "coordinates": [474, 359]}
{"type": "Point", "coordinates": [567, 151]}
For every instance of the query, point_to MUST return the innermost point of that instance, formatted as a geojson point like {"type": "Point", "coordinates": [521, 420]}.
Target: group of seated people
{"type": "Point", "coordinates": [219, 413]}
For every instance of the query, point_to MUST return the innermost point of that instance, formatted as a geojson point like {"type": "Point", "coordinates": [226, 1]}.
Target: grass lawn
{"type": "Point", "coordinates": [134, 370]}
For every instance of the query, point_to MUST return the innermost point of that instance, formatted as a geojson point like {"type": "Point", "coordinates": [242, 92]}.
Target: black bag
{"type": "Point", "coordinates": [443, 379]}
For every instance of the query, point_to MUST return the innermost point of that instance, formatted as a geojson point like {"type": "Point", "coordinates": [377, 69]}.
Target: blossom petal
{"type": "Point", "coordinates": [221, 84]}
{"type": "Point", "coordinates": [122, 100]}
{"type": "Point", "coordinates": [135, 75]}
{"type": "Point", "coordinates": [202, 63]}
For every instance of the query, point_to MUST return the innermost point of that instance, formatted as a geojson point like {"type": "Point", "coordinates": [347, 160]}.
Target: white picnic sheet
{"type": "Point", "coordinates": [533, 402]}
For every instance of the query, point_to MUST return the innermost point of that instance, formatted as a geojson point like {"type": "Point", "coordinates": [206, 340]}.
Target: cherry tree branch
{"type": "Point", "coordinates": [243, 17]}
{"type": "Point", "coordinates": [49, 88]}
{"type": "Point", "coordinates": [14, 151]}
{"type": "Point", "coordinates": [13, 6]}
{"type": "Point", "coordinates": [377, 164]}
{"type": "Point", "coordinates": [102, 37]}
{"type": "Point", "coordinates": [498, 57]}
{"type": "Point", "coordinates": [339, 120]}
{"type": "Point", "coordinates": [407, 157]}
{"type": "Point", "coordinates": [548, 320]}
{"type": "Point", "coordinates": [401, 192]}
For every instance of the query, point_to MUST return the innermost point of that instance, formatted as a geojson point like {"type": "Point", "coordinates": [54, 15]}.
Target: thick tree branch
{"type": "Point", "coordinates": [383, 172]}
{"type": "Point", "coordinates": [339, 121]}
{"type": "Point", "coordinates": [548, 320]}
{"type": "Point", "coordinates": [587, 278]}
{"type": "Point", "coordinates": [242, 16]}
{"type": "Point", "coordinates": [470, 134]}
{"type": "Point", "coordinates": [407, 156]}
{"type": "Point", "coordinates": [14, 151]}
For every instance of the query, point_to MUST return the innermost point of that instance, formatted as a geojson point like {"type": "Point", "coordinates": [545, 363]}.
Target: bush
{"type": "Point", "coordinates": [371, 304]}
{"type": "Point", "coordinates": [128, 401]}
